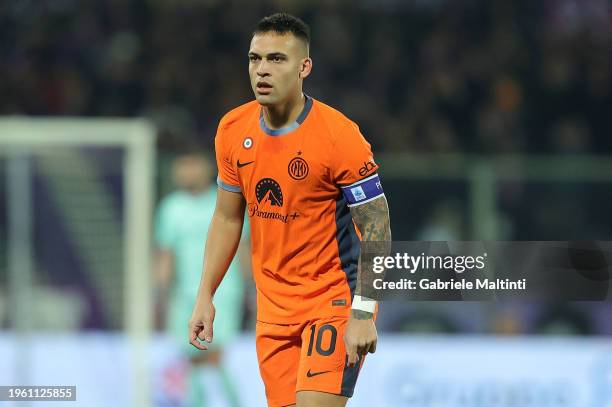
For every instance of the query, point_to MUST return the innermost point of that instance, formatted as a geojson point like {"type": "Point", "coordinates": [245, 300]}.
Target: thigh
{"type": "Point", "coordinates": [307, 398]}
{"type": "Point", "coordinates": [323, 361]}
{"type": "Point", "coordinates": [278, 354]}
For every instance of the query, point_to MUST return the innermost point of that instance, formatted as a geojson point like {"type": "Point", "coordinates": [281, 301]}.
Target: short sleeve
{"type": "Point", "coordinates": [165, 234]}
{"type": "Point", "coordinates": [227, 177]}
{"type": "Point", "coordinates": [352, 157]}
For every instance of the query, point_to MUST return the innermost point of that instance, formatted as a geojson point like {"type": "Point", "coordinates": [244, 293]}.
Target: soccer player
{"type": "Point", "coordinates": [180, 228]}
{"type": "Point", "coordinates": [308, 181]}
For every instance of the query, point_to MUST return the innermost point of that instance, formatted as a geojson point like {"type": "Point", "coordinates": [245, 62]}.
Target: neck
{"type": "Point", "coordinates": [279, 116]}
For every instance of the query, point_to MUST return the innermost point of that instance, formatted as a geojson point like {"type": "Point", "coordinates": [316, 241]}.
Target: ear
{"type": "Point", "coordinates": [305, 68]}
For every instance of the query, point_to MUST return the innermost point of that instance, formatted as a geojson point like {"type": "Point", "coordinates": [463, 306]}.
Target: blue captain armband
{"type": "Point", "coordinates": [363, 191]}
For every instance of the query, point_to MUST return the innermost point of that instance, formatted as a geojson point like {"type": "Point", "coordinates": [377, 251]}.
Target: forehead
{"type": "Point", "coordinates": [270, 42]}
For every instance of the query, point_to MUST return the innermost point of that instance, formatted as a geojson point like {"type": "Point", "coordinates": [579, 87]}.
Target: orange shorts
{"type": "Point", "coordinates": [306, 356]}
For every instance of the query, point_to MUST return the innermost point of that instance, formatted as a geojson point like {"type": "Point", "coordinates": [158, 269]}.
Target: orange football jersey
{"type": "Point", "coordinates": [304, 243]}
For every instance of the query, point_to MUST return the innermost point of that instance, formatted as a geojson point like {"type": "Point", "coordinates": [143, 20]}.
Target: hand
{"type": "Point", "coordinates": [360, 336]}
{"type": "Point", "coordinates": [201, 324]}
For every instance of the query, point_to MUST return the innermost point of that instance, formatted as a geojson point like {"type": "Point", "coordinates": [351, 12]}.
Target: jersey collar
{"type": "Point", "coordinates": [290, 127]}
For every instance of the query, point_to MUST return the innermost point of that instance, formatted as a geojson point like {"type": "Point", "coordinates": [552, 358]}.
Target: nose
{"type": "Point", "coordinates": [262, 68]}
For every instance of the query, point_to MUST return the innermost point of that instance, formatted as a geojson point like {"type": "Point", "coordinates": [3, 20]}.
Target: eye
{"type": "Point", "coordinates": [252, 58]}
{"type": "Point", "coordinates": [277, 58]}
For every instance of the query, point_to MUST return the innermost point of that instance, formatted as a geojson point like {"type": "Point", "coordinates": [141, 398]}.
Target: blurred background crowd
{"type": "Point", "coordinates": [435, 76]}
{"type": "Point", "coordinates": [418, 76]}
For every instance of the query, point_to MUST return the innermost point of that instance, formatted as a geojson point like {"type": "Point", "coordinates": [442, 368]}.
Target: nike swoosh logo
{"type": "Point", "coordinates": [316, 373]}
{"type": "Point", "coordinates": [240, 165]}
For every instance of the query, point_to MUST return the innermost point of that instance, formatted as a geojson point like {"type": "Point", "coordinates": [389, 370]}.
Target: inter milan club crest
{"type": "Point", "coordinates": [247, 143]}
{"type": "Point", "coordinates": [298, 168]}
{"type": "Point", "coordinates": [268, 190]}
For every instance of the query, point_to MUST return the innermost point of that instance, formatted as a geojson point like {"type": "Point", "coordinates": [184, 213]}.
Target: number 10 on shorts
{"type": "Point", "coordinates": [318, 345]}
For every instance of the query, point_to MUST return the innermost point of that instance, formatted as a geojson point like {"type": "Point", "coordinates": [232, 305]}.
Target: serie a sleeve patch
{"type": "Point", "coordinates": [363, 191]}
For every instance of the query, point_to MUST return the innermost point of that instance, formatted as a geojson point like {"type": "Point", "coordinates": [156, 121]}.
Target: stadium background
{"type": "Point", "coordinates": [490, 120]}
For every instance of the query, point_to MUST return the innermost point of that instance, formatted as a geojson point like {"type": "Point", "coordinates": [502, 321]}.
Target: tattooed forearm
{"type": "Point", "coordinates": [372, 219]}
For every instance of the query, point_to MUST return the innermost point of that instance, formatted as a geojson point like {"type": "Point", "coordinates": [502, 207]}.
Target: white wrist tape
{"type": "Point", "coordinates": [364, 304]}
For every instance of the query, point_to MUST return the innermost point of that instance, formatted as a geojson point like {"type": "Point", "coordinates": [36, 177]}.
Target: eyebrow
{"type": "Point", "coordinates": [270, 55]}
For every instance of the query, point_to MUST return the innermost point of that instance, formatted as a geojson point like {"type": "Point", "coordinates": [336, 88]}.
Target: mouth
{"type": "Point", "coordinates": [263, 88]}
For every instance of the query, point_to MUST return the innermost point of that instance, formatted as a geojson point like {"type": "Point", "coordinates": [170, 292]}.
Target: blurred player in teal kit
{"type": "Point", "coordinates": [181, 227]}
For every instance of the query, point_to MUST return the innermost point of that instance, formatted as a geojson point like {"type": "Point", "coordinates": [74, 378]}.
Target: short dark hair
{"type": "Point", "coordinates": [283, 23]}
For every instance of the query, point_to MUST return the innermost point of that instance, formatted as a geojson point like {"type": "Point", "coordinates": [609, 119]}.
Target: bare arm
{"type": "Point", "coordinates": [164, 268]}
{"type": "Point", "coordinates": [222, 241]}
{"type": "Point", "coordinates": [372, 220]}
{"type": "Point", "coordinates": [163, 274]}
{"type": "Point", "coordinates": [221, 244]}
